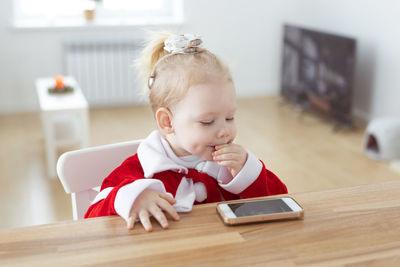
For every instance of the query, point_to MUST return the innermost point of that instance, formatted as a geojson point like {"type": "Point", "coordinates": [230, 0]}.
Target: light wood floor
{"type": "Point", "coordinates": [302, 149]}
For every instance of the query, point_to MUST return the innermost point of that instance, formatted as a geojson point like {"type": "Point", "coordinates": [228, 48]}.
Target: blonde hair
{"type": "Point", "coordinates": [175, 74]}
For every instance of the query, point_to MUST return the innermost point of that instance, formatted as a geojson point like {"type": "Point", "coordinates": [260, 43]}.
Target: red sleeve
{"type": "Point", "coordinates": [129, 171]}
{"type": "Point", "coordinates": [266, 184]}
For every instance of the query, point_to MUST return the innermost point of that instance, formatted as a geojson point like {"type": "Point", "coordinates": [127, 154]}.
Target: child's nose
{"type": "Point", "coordinates": [223, 133]}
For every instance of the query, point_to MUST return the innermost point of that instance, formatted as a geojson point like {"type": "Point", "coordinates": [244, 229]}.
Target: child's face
{"type": "Point", "coordinates": [203, 119]}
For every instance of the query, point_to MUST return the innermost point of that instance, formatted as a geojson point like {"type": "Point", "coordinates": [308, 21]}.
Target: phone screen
{"type": "Point", "coordinates": [259, 207]}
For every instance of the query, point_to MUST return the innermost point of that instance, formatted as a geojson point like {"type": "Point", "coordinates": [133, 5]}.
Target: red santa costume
{"type": "Point", "coordinates": [190, 180]}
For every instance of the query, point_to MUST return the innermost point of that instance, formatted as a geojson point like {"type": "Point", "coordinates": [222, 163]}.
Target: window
{"type": "Point", "coordinates": [65, 13]}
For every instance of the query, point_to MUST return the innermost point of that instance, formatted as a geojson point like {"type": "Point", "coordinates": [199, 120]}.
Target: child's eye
{"type": "Point", "coordinates": [230, 119]}
{"type": "Point", "coordinates": [207, 122]}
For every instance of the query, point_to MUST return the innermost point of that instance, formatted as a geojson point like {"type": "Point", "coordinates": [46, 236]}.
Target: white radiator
{"type": "Point", "coordinates": [104, 70]}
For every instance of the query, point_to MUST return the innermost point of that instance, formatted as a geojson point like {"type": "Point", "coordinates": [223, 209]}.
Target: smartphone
{"type": "Point", "coordinates": [248, 211]}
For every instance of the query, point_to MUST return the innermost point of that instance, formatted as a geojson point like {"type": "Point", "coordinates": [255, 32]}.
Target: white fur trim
{"type": "Point", "coordinates": [185, 196]}
{"type": "Point", "coordinates": [102, 195]}
{"type": "Point", "coordinates": [200, 191]}
{"type": "Point", "coordinates": [247, 175]}
{"type": "Point", "coordinates": [127, 195]}
{"type": "Point", "coordinates": [155, 155]}
{"type": "Point", "coordinates": [210, 167]}
{"type": "Point", "coordinates": [154, 158]}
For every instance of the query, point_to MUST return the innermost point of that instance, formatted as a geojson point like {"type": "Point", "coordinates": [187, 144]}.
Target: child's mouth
{"type": "Point", "coordinates": [213, 147]}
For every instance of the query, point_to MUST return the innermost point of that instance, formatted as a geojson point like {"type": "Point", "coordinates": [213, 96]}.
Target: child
{"type": "Point", "coordinates": [191, 158]}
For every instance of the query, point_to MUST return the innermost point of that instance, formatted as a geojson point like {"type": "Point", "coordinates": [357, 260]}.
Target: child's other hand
{"type": "Point", "coordinates": [151, 202]}
{"type": "Point", "coordinates": [232, 156]}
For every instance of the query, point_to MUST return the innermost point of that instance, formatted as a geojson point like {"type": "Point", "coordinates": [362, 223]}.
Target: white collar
{"type": "Point", "coordinates": [155, 155]}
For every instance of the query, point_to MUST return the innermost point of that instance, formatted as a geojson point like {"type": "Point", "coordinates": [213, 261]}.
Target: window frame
{"type": "Point", "coordinates": [171, 12]}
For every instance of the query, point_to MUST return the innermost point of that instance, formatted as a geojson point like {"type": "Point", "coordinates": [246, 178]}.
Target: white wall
{"type": "Point", "coordinates": [245, 34]}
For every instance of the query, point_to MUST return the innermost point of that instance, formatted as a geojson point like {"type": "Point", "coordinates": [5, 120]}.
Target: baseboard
{"type": "Point", "coordinates": [10, 108]}
{"type": "Point", "coordinates": [395, 165]}
{"type": "Point", "coordinates": [361, 115]}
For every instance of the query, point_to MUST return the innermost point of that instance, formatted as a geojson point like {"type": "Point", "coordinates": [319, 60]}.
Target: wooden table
{"type": "Point", "coordinates": [357, 225]}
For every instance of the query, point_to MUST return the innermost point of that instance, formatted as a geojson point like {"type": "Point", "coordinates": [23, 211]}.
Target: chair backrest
{"type": "Point", "coordinates": [80, 171]}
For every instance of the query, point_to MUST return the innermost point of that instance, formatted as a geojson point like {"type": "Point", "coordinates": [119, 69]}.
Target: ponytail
{"type": "Point", "coordinates": [149, 56]}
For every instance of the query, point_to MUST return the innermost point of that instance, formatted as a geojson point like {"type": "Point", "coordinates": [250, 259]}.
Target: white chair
{"type": "Point", "coordinates": [82, 170]}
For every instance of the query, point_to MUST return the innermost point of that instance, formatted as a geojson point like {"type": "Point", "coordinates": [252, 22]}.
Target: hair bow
{"type": "Point", "coordinates": [182, 44]}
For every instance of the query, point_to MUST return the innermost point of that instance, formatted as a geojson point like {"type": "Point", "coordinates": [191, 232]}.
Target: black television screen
{"type": "Point", "coordinates": [317, 71]}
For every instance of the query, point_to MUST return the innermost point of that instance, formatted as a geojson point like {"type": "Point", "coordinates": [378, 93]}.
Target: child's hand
{"type": "Point", "coordinates": [232, 156]}
{"type": "Point", "coordinates": [154, 203]}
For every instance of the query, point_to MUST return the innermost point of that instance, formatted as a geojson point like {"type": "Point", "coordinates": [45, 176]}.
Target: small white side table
{"type": "Point", "coordinates": [65, 119]}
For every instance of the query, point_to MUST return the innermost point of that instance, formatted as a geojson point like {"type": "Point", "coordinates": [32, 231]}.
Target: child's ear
{"type": "Point", "coordinates": [164, 120]}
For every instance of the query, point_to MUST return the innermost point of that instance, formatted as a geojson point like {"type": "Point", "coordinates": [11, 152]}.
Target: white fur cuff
{"type": "Point", "coordinates": [127, 195]}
